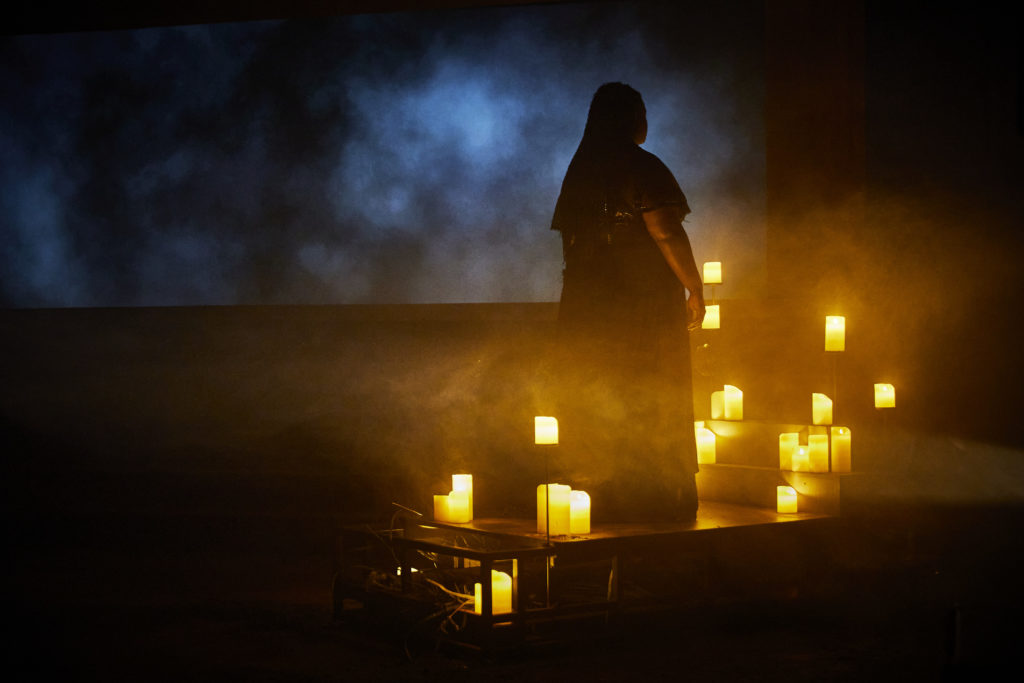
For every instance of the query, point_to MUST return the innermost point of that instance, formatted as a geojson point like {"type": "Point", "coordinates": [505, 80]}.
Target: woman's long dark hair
{"type": "Point", "coordinates": [613, 117]}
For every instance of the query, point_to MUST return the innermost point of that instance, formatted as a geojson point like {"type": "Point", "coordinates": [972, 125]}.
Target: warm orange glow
{"type": "Point", "coordinates": [788, 443]}
{"type": "Point", "coordinates": [841, 442]}
{"type": "Point", "coordinates": [712, 319]}
{"type": "Point", "coordinates": [560, 509]}
{"type": "Point", "coordinates": [885, 396]}
{"type": "Point", "coordinates": [835, 333]}
{"type": "Point", "coordinates": [501, 594]}
{"type": "Point", "coordinates": [785, 499]}
{"type": "Point", "coordinates": [579, 512]}
{"type": "Point", "coordinates": [821, 409]}
{"type": "Point", "coordinates": [705, 444]}
{"type": "Point", "coordinates": [817, 452]}
{"type": "Point", "coordinates": [713, 273]}
{"type": "Point", "coordinates": [545, 430]}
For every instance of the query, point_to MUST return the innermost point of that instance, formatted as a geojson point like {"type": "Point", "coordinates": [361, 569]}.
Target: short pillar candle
{"type": "Point", "coordinates": [545, 430]}
{"type": "Point", "coordinates": [713, 273]}
{"type": "Point", "coordinates": [501, 594]}
{"type": "Point", "coordinates": [579, 512]}
{"type": "Point", "coordinates": [885, 396]}
{"type": "Point", "coordinates": [821, 409]}
{"type": "Point", "coordinates": [712, 317]}
{"type": "Point", "coordinates": [441, 513]}
{"type": "Point", "coordinates": [785, 499]}
{"type": "Point", "coordinates": [801, 459]}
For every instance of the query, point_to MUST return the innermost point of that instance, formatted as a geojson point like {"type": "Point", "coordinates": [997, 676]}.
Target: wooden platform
{"type": "Point", "coordinates": [711, 515]}
{"type": "Point", "coordinates": [568, 581]}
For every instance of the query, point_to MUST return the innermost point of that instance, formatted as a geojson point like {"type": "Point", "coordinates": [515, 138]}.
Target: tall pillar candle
{"type": "Point", "coordinates": [464, 482]}
{"type": "Point", "coordinates": [835, 333]}
{"type": "Point", "coordinates": [841, 443]}
{"type": "Point", "coordinates": [558, 505]}
{"type": "Point", "coordinates": [705, 444]}
{"type": "Point", "coordinates": [817, 451]}
{"type": "Point", "coordinates": [733, 403]}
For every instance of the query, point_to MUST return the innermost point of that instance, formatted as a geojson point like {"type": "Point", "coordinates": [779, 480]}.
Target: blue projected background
{"type": "Point", "coordinates": [386, 158]}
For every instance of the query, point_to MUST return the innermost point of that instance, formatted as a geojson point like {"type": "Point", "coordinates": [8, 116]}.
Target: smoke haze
{"type": "Point", "coordinates": [390, 158]}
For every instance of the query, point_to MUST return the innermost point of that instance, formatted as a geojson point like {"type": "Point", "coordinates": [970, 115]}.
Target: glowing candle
{"type": "Point", "coordinates": [785, 499]}
{"type": "Point", "coordinates": [788, 443]}
{"type": "Point", "coordinates": [801, 459]}
{"type": "Point", "coordinates": [579, 512]}
{"type": "Point", "coordinates": [713, 273]}
{"type": "Point", "coordinates": [705, 444]}
{"type": "Point", "coordinates": [441, 513]}
{"type": "Point", "coordinates": [458, 507]}
{"type": "Point", "coordinates": [545, 430]}
{"type": "Point", "coordinates": [733, 403]}
{"type": "Point", "coordinates": [817, 451]}
{"type": "Point", "coordinates": [559, 505]}
{"type": "Point", "coordinates": [885, 396]}
{"type": "Point", "coordinates": [464, 482]}
{"type": "Point", "coordinates": [821, 409]}
{"type": "Point", "coordinates": [712, 321]}
{"type": "Point", "coordinates": [501, 594]}
{"type": "Point", "coordinates": [841, 461]}
{"type": "Point", "coordinates": [717, 405]}
{"type": "Point", "coordinates": [835, 333]}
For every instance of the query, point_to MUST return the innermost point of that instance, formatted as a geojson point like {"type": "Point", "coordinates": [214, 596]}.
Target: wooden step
{"type": "Point", "coordinates": [750, 442]}
{"type": "Point", "coordinates": [756, 486]}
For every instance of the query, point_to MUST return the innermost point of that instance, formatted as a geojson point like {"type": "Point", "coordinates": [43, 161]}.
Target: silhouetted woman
{"type": "Point", "coordinates": [626, 406]}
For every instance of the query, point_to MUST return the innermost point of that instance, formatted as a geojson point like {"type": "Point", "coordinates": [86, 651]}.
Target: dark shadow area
{"type": "Point", "coordinates": [178, 478]}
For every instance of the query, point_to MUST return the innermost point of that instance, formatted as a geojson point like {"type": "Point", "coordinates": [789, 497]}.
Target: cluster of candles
{"type": "Point", "coordinates": [824, 451]}
{"type": "Point", "coordinates": [457, 505]}
{"type": "Point", "coordinates": [568, 510]}
{"type": "Point", "coordinates": [814, 455]}
{"type": "Point", "coordinates": [727, 404]}
{"type": "Point", "coordinates": [501, 594]}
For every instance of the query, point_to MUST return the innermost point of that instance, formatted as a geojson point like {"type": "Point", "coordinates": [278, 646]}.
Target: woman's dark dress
{"type": "Point", "coordinates": [625, 398]}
